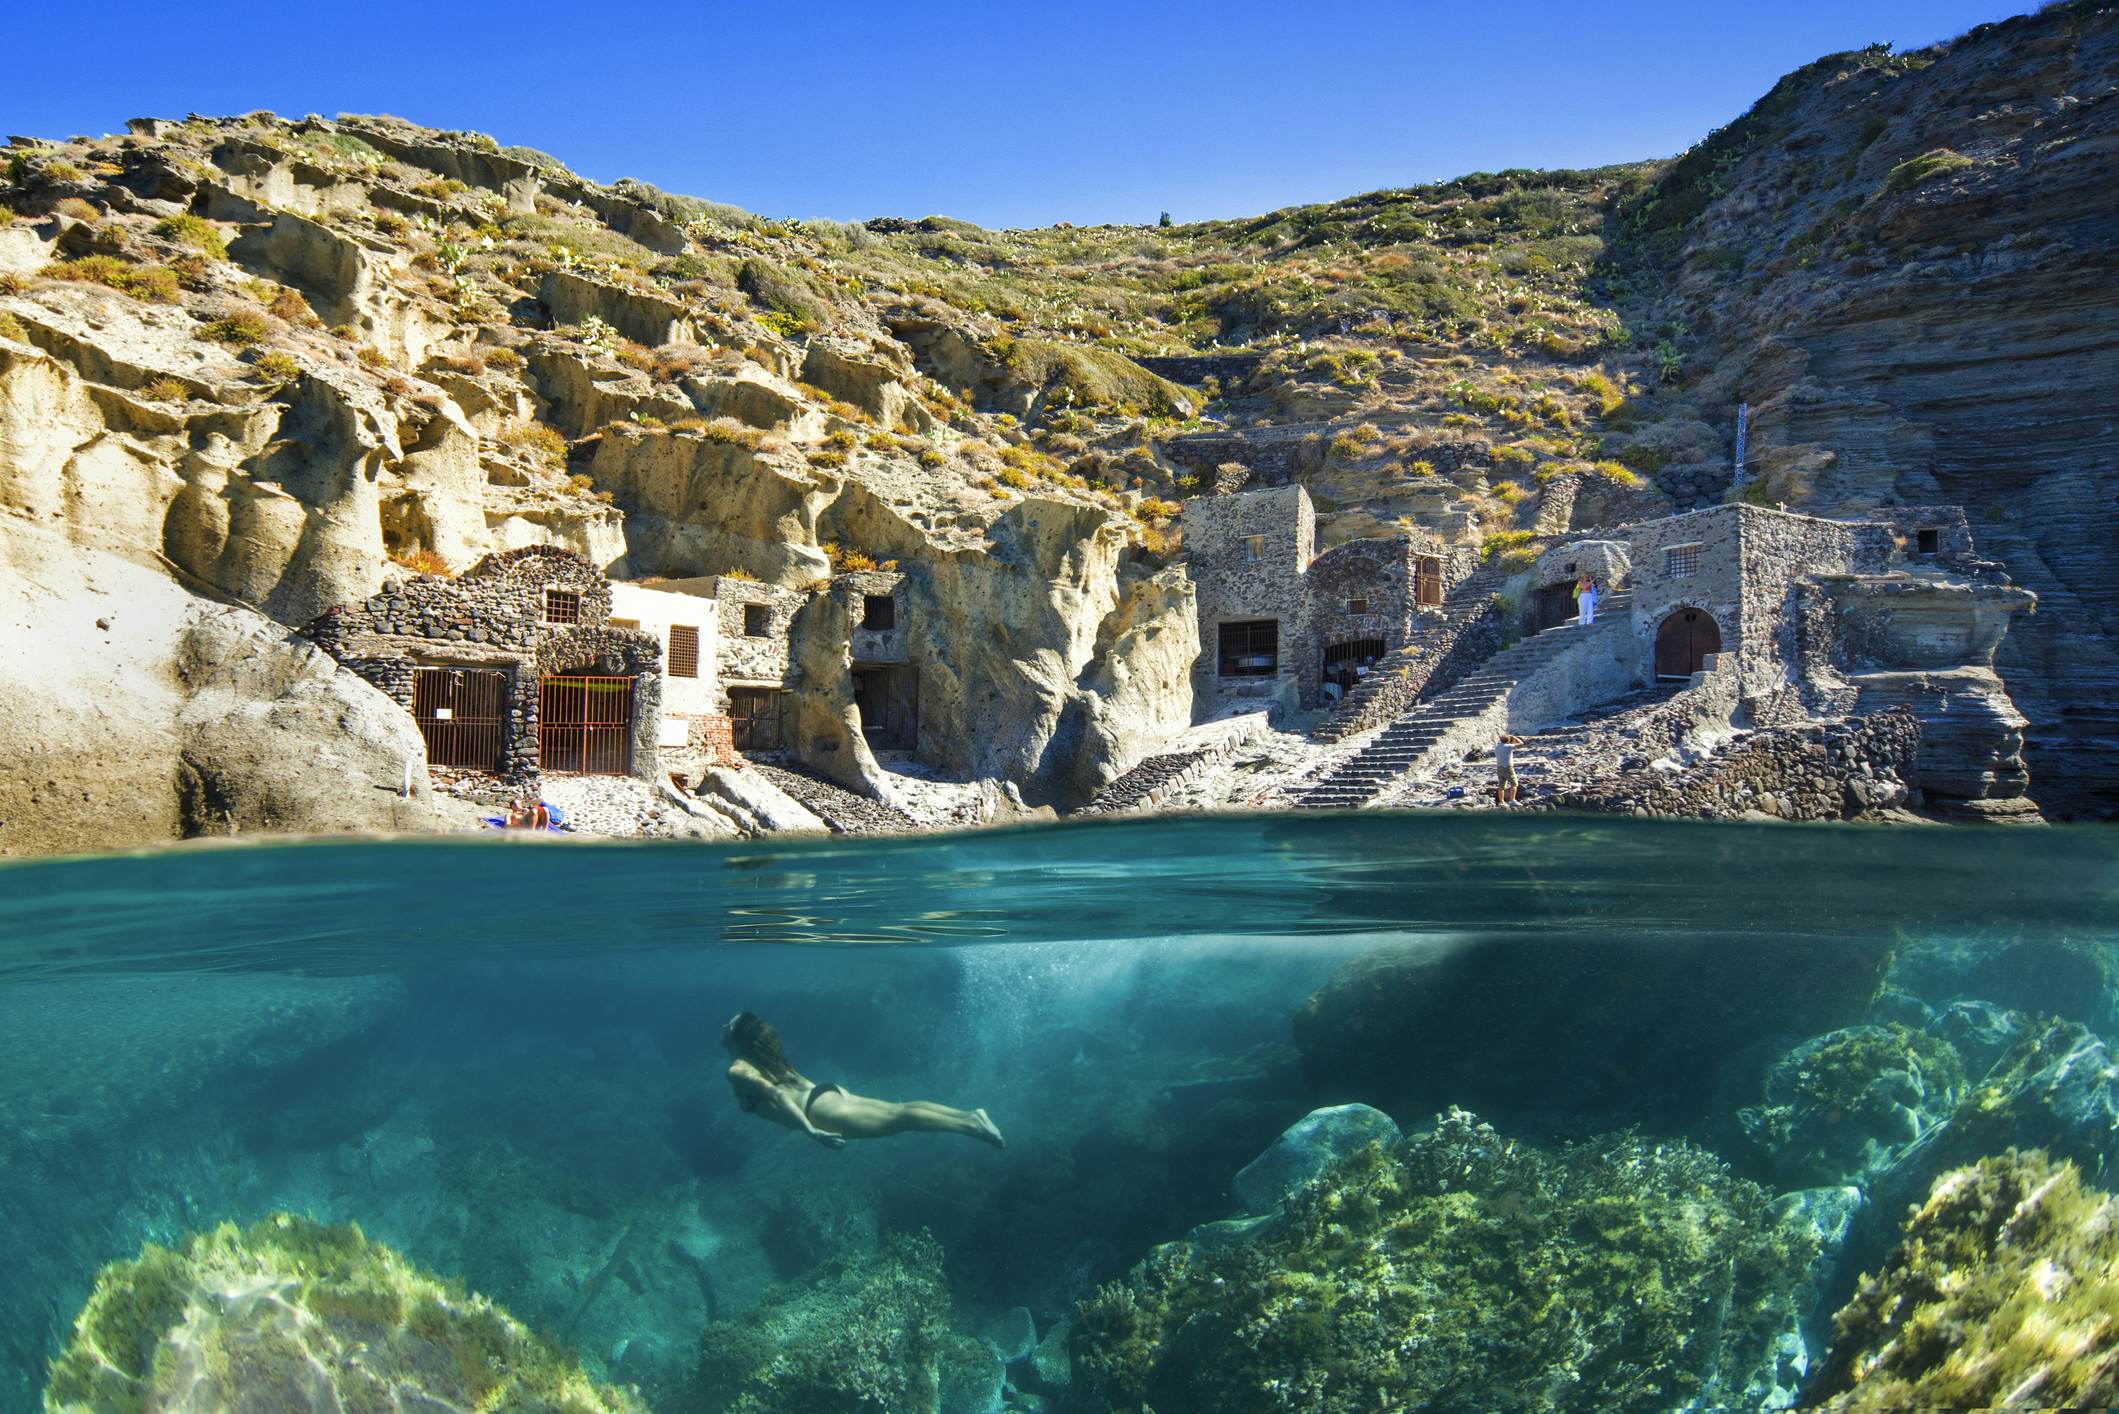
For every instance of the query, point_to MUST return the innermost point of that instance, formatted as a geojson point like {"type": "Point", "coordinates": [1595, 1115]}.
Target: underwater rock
{"type": "Point", "coordinates": [2055, 1090]}
{"type": "Point", "coordinates": [867, 1330]}
{"type": "Point", "coordinates": [1049, 1364]}
{"type": "Point", "coordinates": [971, 1377]}
{"type": "Point", "coordinates": [1311, 1145]}
{"type": "Point", "coordinates": [1012, 1335]}
{"type": "Point", "coordinates": [1596, 1031]}
{"type": "Point", "coordinates": [2001, 1291]}
{"type": "Point", "coordinates": [293, 1315]}
{"type": "Point", "coordinates": [1461, 1269]}
{"type": "Point", "coordinates": [1981, 1031]}
{"type": "Point", "coordinates": [1842, 1106]}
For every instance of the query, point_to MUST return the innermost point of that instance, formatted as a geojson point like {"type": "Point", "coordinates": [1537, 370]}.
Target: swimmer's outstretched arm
{"type": "Point", "coordinates": [794, 1111]}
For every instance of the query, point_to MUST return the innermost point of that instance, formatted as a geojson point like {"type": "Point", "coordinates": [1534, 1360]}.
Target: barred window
{"type": "Point", "coordinates": [879, 613]}
{"type": "Point", "coordinates": [757, 621]}
{"type": "Point", "coordinates": [1357, 606]}
{"type": "Point", "coordinates": [1250, 650]}
{"type": "Point", "coordinates": [562, 606]}
{"type": "Point", "coordinates": [1681, 560]}
{"type": "Point", "coordinates": [684, 650]}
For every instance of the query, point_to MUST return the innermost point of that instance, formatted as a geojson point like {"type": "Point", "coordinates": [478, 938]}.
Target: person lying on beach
{"type": "Point", "coordinates": [766, 1085]}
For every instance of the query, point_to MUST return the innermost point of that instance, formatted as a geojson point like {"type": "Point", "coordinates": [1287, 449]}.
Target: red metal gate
{"type": "Point", "coordinates": [461, 712]}
{"type": "Point", "coordinates": [585, 725]}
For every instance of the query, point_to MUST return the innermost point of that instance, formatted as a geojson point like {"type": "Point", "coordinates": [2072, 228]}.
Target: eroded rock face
{"type": "Point", "coordinates": [1944, 337]}
{"type": "Point", "coordinates": [136, 713]}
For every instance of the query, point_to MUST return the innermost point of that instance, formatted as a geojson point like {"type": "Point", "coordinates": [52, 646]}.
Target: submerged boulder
{"type": "Point", "coordinates": [865, 1331]}
{"type": "Point", "coordinates": [2001, 1291]}
{"type": "Point", "coordinates": [291, 1315]}
{"type": "Point", "coordinates": [1842, 1106]}
{"type": "Point", "coordinates": [1310, 1146]}
{"type": "Point", "coordinates": [1597, 1030]}
{"type": "Point", "coordinates": [1461, 1269]}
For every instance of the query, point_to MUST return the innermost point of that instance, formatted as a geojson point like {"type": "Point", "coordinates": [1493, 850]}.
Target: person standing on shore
{"type": "Point", "coordinates": [1505, 768]}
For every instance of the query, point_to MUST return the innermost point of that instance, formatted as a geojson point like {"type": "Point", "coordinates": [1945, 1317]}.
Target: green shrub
{"type": "Point", "coordinates": [1503, 540]}
{"type": "Point", "coordinates": [148, 283]}
{"type": "Point", "coordinates": [193, 233]}
{"type": "Point", "coordinates": [164, 390]}
{"type": "Point", "coordinates": [536, 441]}
{"type": "Point", "coordinates": [1939, 162]}
{"type": "Point", "coordinates": [246, 328]}
{"type": "Point", "coordinates": [277, 367]}
{"type": "Point", "coordinates": [1614, 473]}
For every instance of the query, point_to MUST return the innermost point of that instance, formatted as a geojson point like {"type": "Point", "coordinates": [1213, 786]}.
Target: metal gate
{"type": "Point", "coordinates": [462, 713]}
{"type": "Point", "coordinates": [585, 726]}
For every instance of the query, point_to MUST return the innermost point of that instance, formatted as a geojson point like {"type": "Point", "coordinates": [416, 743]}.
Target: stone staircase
{"type": "Point", "coordinates": [1417, 666]}
{"type": "Point", "coordinates": [1457, 718]}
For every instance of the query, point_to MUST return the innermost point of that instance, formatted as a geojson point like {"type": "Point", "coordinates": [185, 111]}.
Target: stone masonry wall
{"type": "Point", "coordinates": [1831, 771]}
{"type": "Point", "coordinates": [1778, 550]}
{"type": "Point", "coordinates": [1377, 574]}
{"type": "Point", "coordinates": [1233, 587]}
{"type": "Point", "coordinates": [1715, 587]}
{"type": "Point", "coordinates": [748, 660]}
{"type": "Point", "coordinates": [874, 646]}
{"type": "Point", "coordinates": [492, 617]}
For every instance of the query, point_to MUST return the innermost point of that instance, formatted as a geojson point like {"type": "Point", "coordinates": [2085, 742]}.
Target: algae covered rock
{"type": "Point", "coordinates": [291, 1315]}
{"type": "Point", "coordinates": [1310, 1146]}
{"type": "Point", "coordinates": [1840, 1107]}
{"type": "Point", "coordinates": [2003, 1290]}
{"type": "Point", "coordinates": [865, 1332]}
{"type": "Point", "coordinates": [1462, 1269]}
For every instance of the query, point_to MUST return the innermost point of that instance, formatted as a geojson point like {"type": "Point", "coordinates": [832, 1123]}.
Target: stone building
{"type": "Point", "coordinates": [886, 683]}
{"type": "Point", "coordinates": [513, 667]}
{"type": "Point", "coordinates": [1277, 620]}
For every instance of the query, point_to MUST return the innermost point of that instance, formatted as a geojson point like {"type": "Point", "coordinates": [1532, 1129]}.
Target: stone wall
{"type": "Point", "coordinates": [1375, 574]}
{"type": "Point", "coordinates": [1829, 771]}
{"type": "Point", "coordinates": [493, 617]}
{"type": "Point", "coordinates": [754, 659]}
{"type": "Point", "coordinates": [1234, 586]}
{"type": "Point", "coordinates": [877, 646]}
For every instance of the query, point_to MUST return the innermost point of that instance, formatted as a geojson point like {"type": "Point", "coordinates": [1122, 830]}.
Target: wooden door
{"type": "Point", "coordinates": [1683, 642]}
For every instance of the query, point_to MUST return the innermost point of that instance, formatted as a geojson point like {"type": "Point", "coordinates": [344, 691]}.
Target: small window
{"type": "Point", "coordinates": [1357, 606]}
{"type": "Point", "coordinates": [1250, 650]}
{"type": "Point", "coordinates": [879, 613]}
{"type": "Point", "coordinates": [1929, 540]}
{"type": "Point", "coordinates": [757, 620]}
{"type": "Point", "coordinates": [684, 650]}
{"type": "Point", "coordinates": [1681, 560]}
{"type": "Point", "coordinates": [562, 606]}
{"type": "Point", "coordinates": [1254, 547]}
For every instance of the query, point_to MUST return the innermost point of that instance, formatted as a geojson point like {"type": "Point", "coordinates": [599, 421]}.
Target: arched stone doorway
{"type": "Point", "coordinates": [1683, 641]}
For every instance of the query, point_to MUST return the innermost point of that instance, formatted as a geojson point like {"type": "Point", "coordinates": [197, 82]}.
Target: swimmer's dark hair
{"type": "Point", "coordinates": [756, 1041]}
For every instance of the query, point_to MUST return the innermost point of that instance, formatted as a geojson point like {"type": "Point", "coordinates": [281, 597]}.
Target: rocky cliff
{"type": "Point", "coordinates": [1908, 265]}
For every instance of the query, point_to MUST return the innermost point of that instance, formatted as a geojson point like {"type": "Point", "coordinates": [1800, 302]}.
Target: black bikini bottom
{"type": "Point", "coordinates": [816, 1090]}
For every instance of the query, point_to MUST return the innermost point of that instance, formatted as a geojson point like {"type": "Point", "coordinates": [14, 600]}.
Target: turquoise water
{"type": "Point", "coordinates": [502, 1058]}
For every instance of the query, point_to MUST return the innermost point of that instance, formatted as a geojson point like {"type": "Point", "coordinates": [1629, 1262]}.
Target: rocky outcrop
{"type": "Point", "coordinates": [642, 317]}
{"type": "Point", "coordinates": [696, 505]}
{"type": "Point", "coordinates": [1906, 264]}
{"type": "Point", "coordinates": [138, 713]}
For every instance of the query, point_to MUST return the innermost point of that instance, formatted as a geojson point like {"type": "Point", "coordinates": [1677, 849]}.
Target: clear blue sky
{"type": "Point", "coordinates": [1010, 113]}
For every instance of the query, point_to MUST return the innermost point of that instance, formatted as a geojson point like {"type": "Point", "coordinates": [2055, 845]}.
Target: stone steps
{"type": "Point", "coordinates": [1409, 743]}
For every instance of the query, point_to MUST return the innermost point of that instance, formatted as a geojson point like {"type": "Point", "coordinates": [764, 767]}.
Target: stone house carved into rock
{"type": "Point", "coordinates": [513, 667]}
{"type": "Point", "coordinates": [1280, 622]}
{"type": "Point", "coordinates": [1824, 617]}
